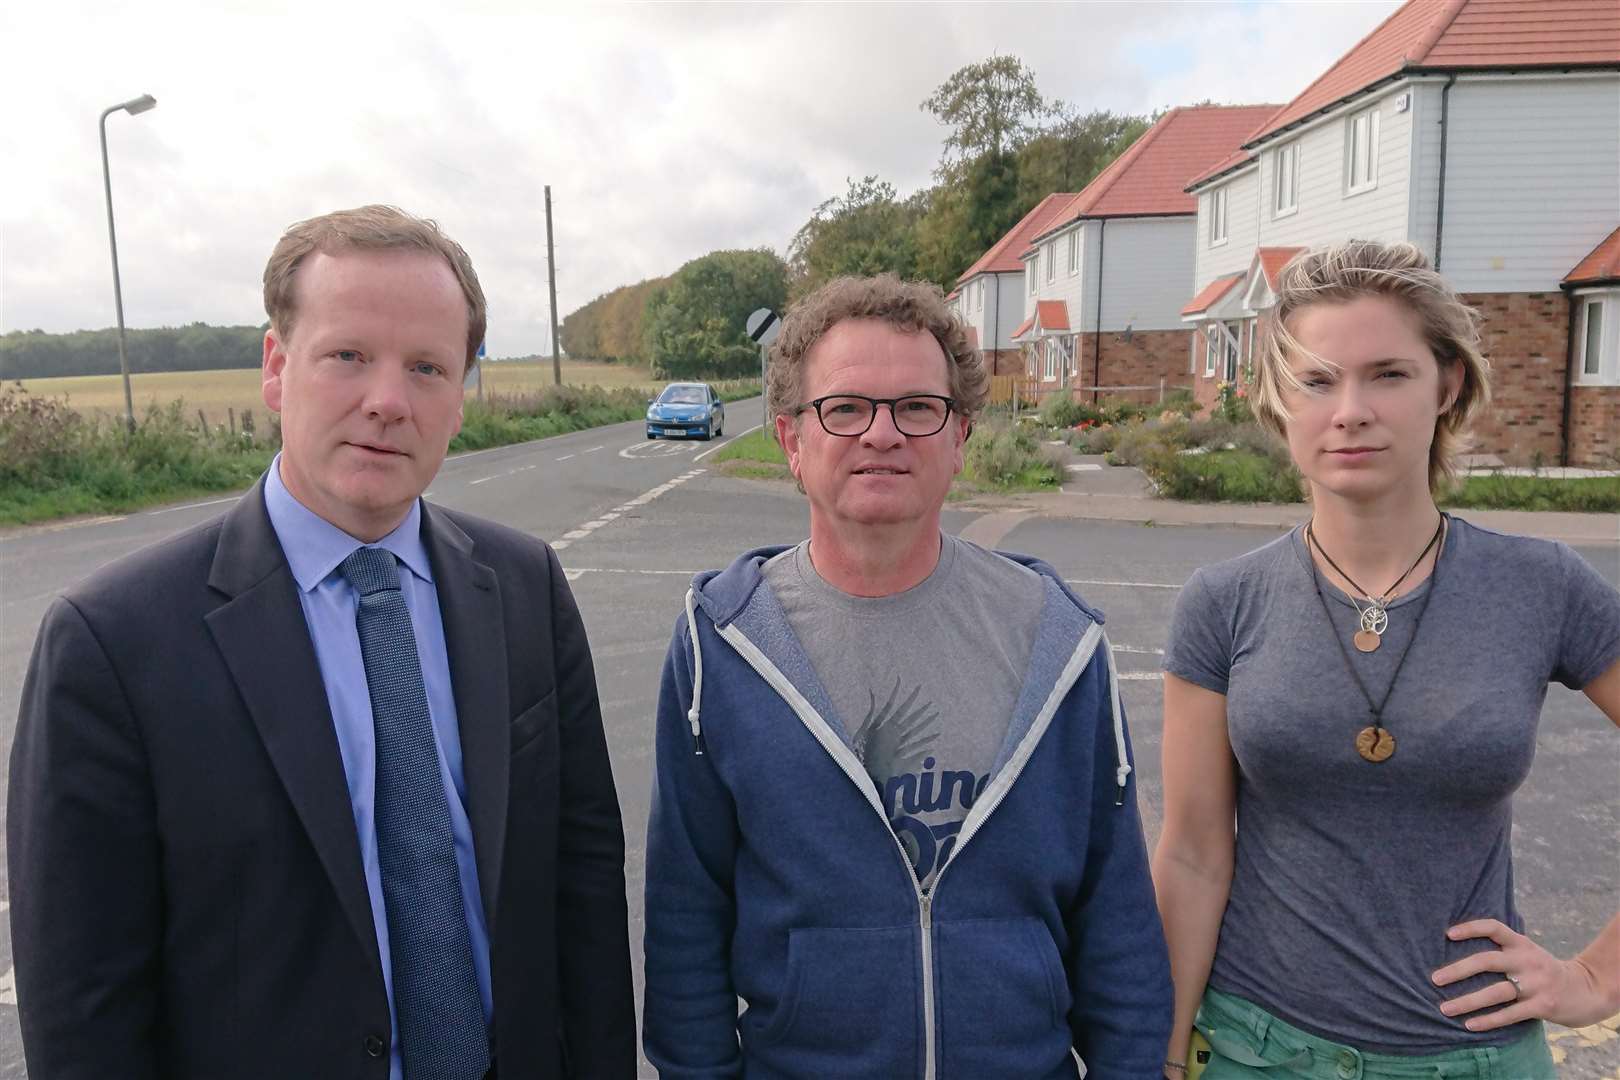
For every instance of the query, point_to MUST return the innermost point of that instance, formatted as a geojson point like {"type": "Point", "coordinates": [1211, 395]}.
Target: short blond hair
{"type": "Point", "coordinates": [1340, 273]}
{"type": "Point", "coordinates": [910, 306]}
{"type": "Point", "coordinates": [368, 228]}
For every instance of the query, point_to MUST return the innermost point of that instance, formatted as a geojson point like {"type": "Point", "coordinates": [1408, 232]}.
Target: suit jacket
{"type": "Point", "coordinates": [186, 885]}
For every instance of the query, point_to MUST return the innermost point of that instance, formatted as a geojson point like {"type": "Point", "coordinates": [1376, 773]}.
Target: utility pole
{"type": "Point", "coordinates": [551, 277]}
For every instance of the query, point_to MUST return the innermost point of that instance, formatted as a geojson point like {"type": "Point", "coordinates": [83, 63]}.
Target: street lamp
{"type": "Point", "coordinates": [133, 107]}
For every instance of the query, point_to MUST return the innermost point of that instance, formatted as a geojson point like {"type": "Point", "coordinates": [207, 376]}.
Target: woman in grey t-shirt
{"type": "Point", "coordinates": [1361, 697]}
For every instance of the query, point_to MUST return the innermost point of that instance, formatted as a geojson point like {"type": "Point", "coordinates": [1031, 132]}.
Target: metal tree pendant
{"type": "Point", "coordinates": [1375, 744]}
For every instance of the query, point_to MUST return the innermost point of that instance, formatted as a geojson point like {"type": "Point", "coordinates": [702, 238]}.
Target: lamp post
{"type": "Point", "coordinates": [133, 106]}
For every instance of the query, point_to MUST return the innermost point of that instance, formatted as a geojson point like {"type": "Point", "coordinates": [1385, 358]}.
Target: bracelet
{"type": "Point", "coordinates": [1179, 1066]}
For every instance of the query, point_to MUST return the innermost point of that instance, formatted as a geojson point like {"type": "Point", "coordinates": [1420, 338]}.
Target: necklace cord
{"type": "Point", "coordinates": [1384, 598]}
{"type": "Point", "coordinates": [1377, 711]}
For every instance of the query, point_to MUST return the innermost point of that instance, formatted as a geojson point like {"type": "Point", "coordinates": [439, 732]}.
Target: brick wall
{"type": "Point", "coordinates": [1526, 336]}
{"type": "Point", "coordinates": [1004, 362]}
{"type": "Point", "coordinates": [1149, 356]}
{"type": "Point", "coordinates": [1594, 426]}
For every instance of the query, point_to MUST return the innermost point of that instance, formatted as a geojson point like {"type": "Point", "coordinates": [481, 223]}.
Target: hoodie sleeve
{"type": "Point", "coordinates": [690, 1013]}
{"type": "Point", "coordinates": [1119, 969]}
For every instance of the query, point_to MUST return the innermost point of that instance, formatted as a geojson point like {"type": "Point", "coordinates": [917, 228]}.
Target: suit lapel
{"type": "Point", "coordinates": [265, 641]}
{"type": "Point", "coordinates": [475, 638]}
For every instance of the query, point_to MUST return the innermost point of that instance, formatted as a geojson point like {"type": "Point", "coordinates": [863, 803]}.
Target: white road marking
{"type": "Point", "coordinates": [739, 435]}
{"type": "Point", "coordinates": [1121, 584]}
{"type": "Point", "coordinates": [1084, 466]}
{"type": "Point", "coordinates": [571, 575]}
{"type": "Point", "coordinates": [186, 506]}
{"type": "Point", "coordinates": [1140, 676]}
{"type": "Point", "coordinates": [654, 448]}
{"type": "Point", "coordinates": [483, 480]}
{"type": "Point", "coordinates": [593, 449]}
{"type": "Point", "coordinates": [8, 987]}
{"type": "Point", "coordinates": [584, 530]}
{"type": "Point", "coordinates": [565, 457]}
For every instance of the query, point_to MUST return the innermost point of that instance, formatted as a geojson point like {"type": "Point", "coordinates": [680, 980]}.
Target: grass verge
{"type": "Point", "coordinates": [1591, 494]}
{"type": "Point", "coordinates": [998, 458]}
{"type": "Point", "coordinates": [56, 461]}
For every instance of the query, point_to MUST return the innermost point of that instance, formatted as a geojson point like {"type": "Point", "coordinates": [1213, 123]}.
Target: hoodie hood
{"type": "Point", "coordinates": [1067, 625]}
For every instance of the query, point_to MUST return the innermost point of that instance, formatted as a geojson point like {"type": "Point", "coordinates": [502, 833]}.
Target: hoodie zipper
{"type": "Point", "coordinates": [845, 758]}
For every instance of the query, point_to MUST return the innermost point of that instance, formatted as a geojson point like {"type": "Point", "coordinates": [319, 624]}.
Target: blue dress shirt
{"type": "Point", "coordinates": [314, 547]}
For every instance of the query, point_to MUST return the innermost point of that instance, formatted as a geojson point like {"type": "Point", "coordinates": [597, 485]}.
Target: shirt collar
{"type": "Point", "coordinates": [315, 547]}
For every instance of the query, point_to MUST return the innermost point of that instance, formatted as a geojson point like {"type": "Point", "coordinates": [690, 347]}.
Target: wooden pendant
{"type": "Point", "coordinates": [1367, 641]}
{"type": "Point", "coordinates": [1375, 744]}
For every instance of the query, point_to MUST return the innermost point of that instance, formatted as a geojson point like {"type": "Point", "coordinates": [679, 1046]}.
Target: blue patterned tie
{"type": "Point", "coordinates": [441, 1017]}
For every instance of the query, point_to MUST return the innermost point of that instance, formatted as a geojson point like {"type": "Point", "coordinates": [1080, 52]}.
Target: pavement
{"type": "Point", "coordinates": [1096, 490]}
{"type": "Point", "coordinates": [634, 519]}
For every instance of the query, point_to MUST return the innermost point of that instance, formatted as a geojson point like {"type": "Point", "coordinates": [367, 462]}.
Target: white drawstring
{"type": "Point", "coordinates": [697, 672]}
{"type": "Point", "coordinates": [1121, 758]}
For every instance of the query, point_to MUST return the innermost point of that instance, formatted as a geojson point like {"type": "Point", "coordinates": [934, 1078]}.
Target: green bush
{"type": "Point", "coordinates": [1225, 476]}
{"type": "Point", "coordinates": [1062, 411]}
{"type": "Point", "coordinates": [1007, 457]}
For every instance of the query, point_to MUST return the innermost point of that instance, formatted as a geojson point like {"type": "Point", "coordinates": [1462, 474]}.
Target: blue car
{"type": "Point", "coordinates": [686, 409]}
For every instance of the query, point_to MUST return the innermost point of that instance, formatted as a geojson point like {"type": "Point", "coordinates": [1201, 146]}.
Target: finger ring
{"type": "Point", "coordinates": [1518, 990]}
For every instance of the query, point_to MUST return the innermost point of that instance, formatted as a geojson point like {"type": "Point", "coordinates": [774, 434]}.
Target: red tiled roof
{"type": "Point", "coordinates": [1053, 314]}
{"type": "Point", "coordinates": [1211, 293]}
{"type": "Point", "coordinates": [1221, 167]}
{"type": "Point", "coordinates": [1273, 259]}
{"type": "Point", "coordinates": [1602, 264]}
{"type": "Point", "coordinates": [1023, 327]}
{"type": "Point", "coordinates": [1150, 177]}
{"type": "Point", "coordinates": [1003, 255]}
{"type": "Point", "coordinates": [953, 294]}
{"type": "Point", "coordinates": [1471, 34]}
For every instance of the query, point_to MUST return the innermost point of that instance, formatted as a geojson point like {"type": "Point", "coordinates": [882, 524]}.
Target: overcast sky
{"type": "Point", "coordinates": [665, 131]}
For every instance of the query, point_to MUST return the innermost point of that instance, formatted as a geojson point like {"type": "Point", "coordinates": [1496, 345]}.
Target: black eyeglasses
{"type": "Point", "coordinates": [849, 416]}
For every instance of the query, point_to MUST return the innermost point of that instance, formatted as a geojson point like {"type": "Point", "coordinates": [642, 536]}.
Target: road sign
{"type": "Point", "coordinates": [764, 325]}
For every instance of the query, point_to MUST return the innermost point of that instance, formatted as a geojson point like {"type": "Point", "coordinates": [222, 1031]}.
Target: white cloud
{"type": "Point", "coordinates": [665, 131]}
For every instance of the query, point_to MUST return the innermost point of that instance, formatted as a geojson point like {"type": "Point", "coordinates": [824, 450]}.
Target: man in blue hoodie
{"type": "Point", "coordinates": [893, 810]}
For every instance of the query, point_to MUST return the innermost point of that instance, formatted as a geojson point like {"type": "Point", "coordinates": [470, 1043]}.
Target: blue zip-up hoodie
{"type": "Point", "coordinates": [773, 874]}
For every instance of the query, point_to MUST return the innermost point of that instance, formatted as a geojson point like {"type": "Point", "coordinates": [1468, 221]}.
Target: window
{"type": "Point", "coordinates": [1034, 262]}
{"type": "Point", "coordinates": [1210, 348]}
{"type": "Point", "coordinates": [1051, 259]}
{"type": "Point", "coordinates": [1361, 152]}
{"type": "Point", "coordinates": [1287, 195]}
{"type": "Point", "coordinates": [1217, 217]}
{"type": "Point", "coordinates": [1592, 337]}
{"type": "Point", "coordinates": [1048, 347]}
{"type": "Point", "coordinates": [1074, 253]}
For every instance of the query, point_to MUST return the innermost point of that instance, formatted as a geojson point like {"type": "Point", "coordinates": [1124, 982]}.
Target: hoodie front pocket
{"type": "Point", "coordinates": [850, 1004]}
{"type": "Point", "coordinates": [1003, 998]}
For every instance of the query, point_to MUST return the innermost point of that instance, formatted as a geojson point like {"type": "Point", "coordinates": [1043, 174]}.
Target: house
{"type": "Point", "coordinates": [1487, 132]}
{"type": "Point", "coordinates": [990, 293]}
{"type": "Point", "coordinates": [1105, 275]}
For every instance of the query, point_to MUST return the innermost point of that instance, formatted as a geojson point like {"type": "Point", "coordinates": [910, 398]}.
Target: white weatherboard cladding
{"type": "Point", "coordinates": [1070, 288]}
{"type": "Point", "coordinates": [1532, 179]}
{"type": "Point", "coordinates": [1328, 214]}
{"type": "Point", "coordinates": [1242, 230]}
{"type": "Point", "coordinates": [1147, 274]}
{"type": "Point", "coordinates": [995, 330]}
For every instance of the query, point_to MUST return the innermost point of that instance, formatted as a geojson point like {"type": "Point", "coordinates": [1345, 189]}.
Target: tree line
{"type": "Point", "coordinates": [1006, 148]}
{"type": "Point", "coordinates": [34, 354]}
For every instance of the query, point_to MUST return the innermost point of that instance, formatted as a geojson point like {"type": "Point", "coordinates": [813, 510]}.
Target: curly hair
{"type": "Point", "coordinates": [910, 306]}
{"type": "Point", "coordinates": [368, 228]}
{"type": "Point", "coordinates": [1340, 273]}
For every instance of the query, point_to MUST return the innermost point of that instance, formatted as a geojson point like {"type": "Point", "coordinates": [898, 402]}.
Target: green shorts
{"type": "Point", "coordinates": [1248, 1043]}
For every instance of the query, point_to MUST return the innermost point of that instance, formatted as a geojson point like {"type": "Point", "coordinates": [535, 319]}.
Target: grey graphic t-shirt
{"type": "Point", "coordinates": [924, 681]}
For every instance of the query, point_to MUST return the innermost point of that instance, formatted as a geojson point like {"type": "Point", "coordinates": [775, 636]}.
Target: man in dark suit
{"type": "Point", "coordinates": [320, 788]}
